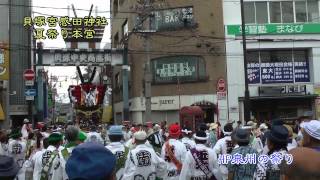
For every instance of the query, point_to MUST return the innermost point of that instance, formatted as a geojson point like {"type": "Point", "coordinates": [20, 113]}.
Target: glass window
{"type": "Point", "coordinates": [265, 56]}
{"type": "Point", "coordinates": [300, 55]}
{"type": "Point", "coordinates": [287, 12]}
{"type": "Point", "coordinates": [249, 12]}
{"type": "Point", "coordinates": [262, 12]}
{"type": "Point", "coordinates": [253, 56]}
{"type": "Point", "coordinates": [281, 56]}
{"type": "Point", "coordinates": [313, 11]}
{"type": "Point", "coordinates": [275, 12]}
{"type": "Point", "coordinates": [301, 14]}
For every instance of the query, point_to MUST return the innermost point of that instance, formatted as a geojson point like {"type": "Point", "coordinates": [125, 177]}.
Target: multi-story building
{"type": "Point", "coordinates": [186, 58]}
{"type": "Point", "coordinates": [283, 58]}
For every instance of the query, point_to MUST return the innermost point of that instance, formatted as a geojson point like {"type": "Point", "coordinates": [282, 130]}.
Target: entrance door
{"type": "Point", "coordinates": [263, 116]}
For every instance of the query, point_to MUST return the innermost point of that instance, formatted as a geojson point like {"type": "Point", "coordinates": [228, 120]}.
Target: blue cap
{"type": "Point", "coordinates": [115, 130]}
{"type": "Point", "coordinates": [90, 161]}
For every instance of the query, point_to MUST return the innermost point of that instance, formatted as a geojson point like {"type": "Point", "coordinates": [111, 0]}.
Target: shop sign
{"type": "Point", "coordinates": [278, 72]}
{"type": "Point", "coordinates": [261, 29]}
{"type": "Point", "coordinates": [172, 19]}
{"type": "Point", "coordinates": [172, 69]}
{"type": "Point", "coordinates": [282, 90]}
{"type": "Point", "coordinates": [81, 57]}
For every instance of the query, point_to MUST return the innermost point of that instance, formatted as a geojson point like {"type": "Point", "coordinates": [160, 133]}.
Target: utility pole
{"type": "Point", "coordinates": [247, 114]}
{"type": "Point", "coordinates": [148, 75]}
{"type": "Point", "coordinates": [125, 87]}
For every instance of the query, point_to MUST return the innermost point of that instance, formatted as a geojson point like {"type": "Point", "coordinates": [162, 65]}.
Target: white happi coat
{"type": "Point", "coordinates": [191, 170]}
{"type": "Point", "coordinates": [59, 165]}
{"type": "Point", "coordinates": [4, 149]}
{"type": "Point", "coordinates": [222, 148]}
{"type": "Point", "coordinates": [118, 150]}
{"type": "Point", "coordinates": [41, 160]}
{"type": "Point", "coordinates": [180, 152]}
{"type": "Point", "coordinates": [94, 137]}
{"type": "Point", "coordinates": [143, 163]}
{"type": "Point", "coordinates": [17, 149]}
{"type": "Point", "coordinates": [189, 143]}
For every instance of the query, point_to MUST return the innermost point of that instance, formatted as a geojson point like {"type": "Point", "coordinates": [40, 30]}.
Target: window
{"type": "Point", "coordinates": [278, 66]}
{"type": "Point", "coordinates": [125, 29]}
{"type": "Point", "coordinates": [116, 40]}
{"type": "Point", "coordinates": [262, 12]}
{"type": "Point", "coordinates": [301, 11]}
{"type": "Point", "coordinates": [313, 11]}
{"type": "Point", "coordinates": [249, 14]}
{"type": "Point", "coordinates": [296, 11]}
{"type": "Point", "coordinates": [275, 12]}
{"type": "Point", "coordinates": [287, 12]}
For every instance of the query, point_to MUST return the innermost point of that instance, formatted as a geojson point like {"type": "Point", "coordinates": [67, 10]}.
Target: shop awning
{"type": "Point", "coordinates": [2, 117]}
{"type": "Point", "coordinates": [311, 96]}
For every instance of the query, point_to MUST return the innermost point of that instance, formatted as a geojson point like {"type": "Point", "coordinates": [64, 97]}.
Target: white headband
{"type": "Point", "coordinates": [186, 131]}
{"type": "Point", "coordinates": [200, 138]}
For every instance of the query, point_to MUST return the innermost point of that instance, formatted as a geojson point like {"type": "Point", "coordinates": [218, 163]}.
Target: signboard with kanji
{"type": "Point", "coordinates": [307, 28]}
{"type": "Point", "coordinates": [278, 72]}
{"type": "Point", "coordinates": [172, 19]}
{"type": "Point", "coordinates": [81, 57]}
{"type": "Point", "coordinates": [174, 68]}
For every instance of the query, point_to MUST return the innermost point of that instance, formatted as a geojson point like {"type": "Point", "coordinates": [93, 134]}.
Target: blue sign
{"type": "Point", "coordinates": [253, 73]}
{"type": "Point", "coordinates": [278, 72]}
{"type": "Point", "coordinates": [301, 72]}
{"type": "Point", "coordinates": [30, 92]}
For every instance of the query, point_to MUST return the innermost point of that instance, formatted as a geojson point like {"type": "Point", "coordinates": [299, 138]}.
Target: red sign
{"type": "Point", "coordinates": [28, 75]}
{"type": "Point", "coordinates": [221, 85]}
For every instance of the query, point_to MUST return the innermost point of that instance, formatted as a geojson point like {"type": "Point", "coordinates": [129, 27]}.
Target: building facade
{"type": "Point", "coordinates": [186, 58]}
{"type": "Point", "coordinates": [283, 58]}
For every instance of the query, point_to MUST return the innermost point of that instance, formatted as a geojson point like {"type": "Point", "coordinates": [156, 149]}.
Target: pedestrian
{"type": "Point", "coordinates": [201, 161]}
{"type": "Point", "coordinates": [219, 132]}
{"type": "Point", "coordinates": [236, 170]}
{"type": "Point", "coordinates": [187, 138]}
{"type": "Point", "coordinates": [43, 163]}
{"type": "Point", "coordinates": [3, 143]}
{"type": "Point", "coordinates": [311, 134]}
{"type": "Point", "coordinates": [143, 162]}
{"type": "Point", "coordinates": [212, 140]}
{"type": "Point", "coordinates": [292, 143]}
{"type": "Point", "coordinates": [225, 146]}
{"type": "Point", "coordinates": [305, 165]}
{"type": "Point", "coordinates": [173, 152]}
{"type": "Point", "coordinates": [94, 136]}
{"type": "Point", "coordinates": [255, 140]}
{"type": "Point", "coordinates": [8, 168]}
{"type": "Point", "coordinates": [155, 139]}
{"type": "Point", "coordinates": [26, 128]}
{"type": "Point", "coordinates": [17, 147]}
{"type": "Point", "coordinates": [117, 148]}
{"type": "Point", "coordinates": [277, 141]}
{"type": "Point", "coordinates": [263, 129]}
{"type": "Point", "coordinates": [71, 136]}
{"type": "Point", "coordinates": [91, 161]}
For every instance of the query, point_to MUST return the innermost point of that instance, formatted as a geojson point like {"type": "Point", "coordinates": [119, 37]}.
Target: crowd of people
{"type": "Point", "coordinates": [162, 152]}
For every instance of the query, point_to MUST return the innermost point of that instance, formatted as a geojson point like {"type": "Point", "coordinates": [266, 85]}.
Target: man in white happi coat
{"type": "Point", "coordinates": [72, 137]}
{"type": "Point", "coordinates": [225, 146]}
{"type": "Point", "coordinates": [43, 165]}
{"type": "Point", "coordinates": [117, 148]}
{"type": "Point", "coordinates": [17, 149]}
{"type": "Point", "coordinates": [94, 136]}
{"type": "Point", "coordinates": [201, 162]}
{"type": "Point", "coordinates": [173, 152]}
{"type": "Point", "coordinates": [187, 138]}
{"type": "Point", "coordinates": [142, 162]}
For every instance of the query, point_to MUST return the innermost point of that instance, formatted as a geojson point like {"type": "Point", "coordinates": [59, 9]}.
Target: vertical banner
{"type": "Point", "coordinates": [4, 62]}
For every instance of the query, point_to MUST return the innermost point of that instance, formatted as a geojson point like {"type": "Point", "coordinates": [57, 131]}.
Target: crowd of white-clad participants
{"type": "Point", "coordinates": [154, 151]}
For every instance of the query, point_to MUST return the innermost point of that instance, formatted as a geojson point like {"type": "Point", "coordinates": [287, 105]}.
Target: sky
{"type": "Point", "coordinates": [66, 73]}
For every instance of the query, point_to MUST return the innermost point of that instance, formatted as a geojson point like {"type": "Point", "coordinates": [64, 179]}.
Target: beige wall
{"type": "Point", "coordinates": [209, 34]}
